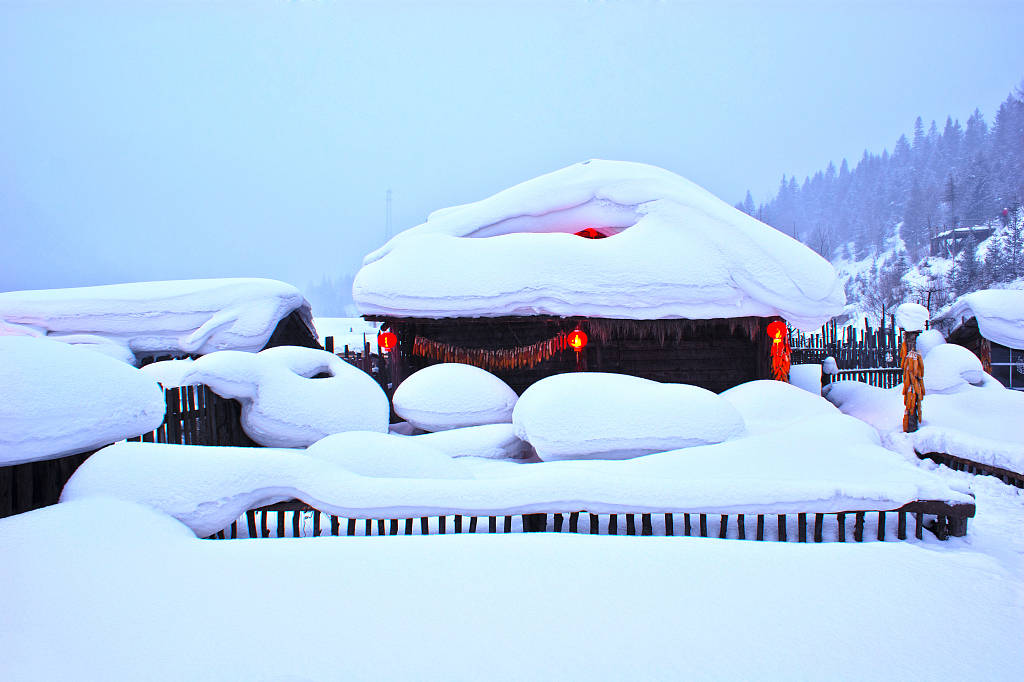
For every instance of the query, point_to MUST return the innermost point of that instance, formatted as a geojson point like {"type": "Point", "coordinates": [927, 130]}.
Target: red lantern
{"type": "Point", "coordinates": [577, 340]}
{"type": "Point", "coordinates": [386, 341]}
{"type": "Point", "coordinates": [591, 233]}
{"type": "Point", "coordinates": [777, 330]}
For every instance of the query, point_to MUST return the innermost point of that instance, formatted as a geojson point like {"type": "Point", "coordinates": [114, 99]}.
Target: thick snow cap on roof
{"type": "Point", "coordinates": [1000, 314]}
{"type": "Point", "coordinates": [186, 316]}
{"type": "Point", "coordinates": [675, 251]}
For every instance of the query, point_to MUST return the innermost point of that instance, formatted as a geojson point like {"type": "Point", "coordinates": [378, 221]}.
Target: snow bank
{"type": "Point", "coordinates": [453, 395]}
{"type": "Point", "coordinates": [282, 405]}
{"type": "Point", "coordinates": [58, 400]}
{"type": "Point", "coordinates": [911, 317]}
{"type": "Point", "coordinates": [677, 251]}
{"type": "Point", "coordinates": [145, 318]}
{"type": "Point", "coordinates": [980, 423]}
{"type": "Point", "coordinates": [768, 405]}
{"type": "Point", "coordinates": [1000, 314]}
{"type": "Point", "coordinates": [103, 590]}
{"type": "Point", "coordinates": [380, 455]}
{"type": "Point", "coordinates": [596, 415]}
{"type": "Point", "coordinates": [490, 441]}
{"type": "Point", "coordinates": [783, 471]}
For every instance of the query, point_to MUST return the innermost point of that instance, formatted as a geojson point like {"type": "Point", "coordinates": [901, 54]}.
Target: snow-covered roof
{"type": "Point", "coordinates": [1000, 314]}
{"type": "Point", "coordinates": [674, 251]}
{"type": "Point", "coordinates": [184, 316]}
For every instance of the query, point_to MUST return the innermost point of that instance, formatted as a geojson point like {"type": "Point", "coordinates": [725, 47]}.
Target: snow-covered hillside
{"type": "Point", "coordinates": [884, 278]}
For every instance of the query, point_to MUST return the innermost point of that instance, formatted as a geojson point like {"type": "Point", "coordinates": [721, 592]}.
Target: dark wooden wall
{"type": "Point", "coordinates": [713, 354]}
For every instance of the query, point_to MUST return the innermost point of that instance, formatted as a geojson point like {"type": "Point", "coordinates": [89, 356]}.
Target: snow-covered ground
{"type": "Point", "coordinates": [107, 590]}
{"type": "Point", "coordinates": [347, 331]}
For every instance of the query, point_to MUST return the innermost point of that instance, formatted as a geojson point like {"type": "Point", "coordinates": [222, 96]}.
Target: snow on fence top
{"type": "Point", "coordinates": [675, 251]}
{"type": "Point", "coordinates": [1000, 314]}
{"type": "Point", "coordinates": [185, 316]}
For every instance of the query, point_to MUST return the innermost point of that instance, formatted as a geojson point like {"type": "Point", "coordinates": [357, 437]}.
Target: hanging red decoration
{"type": "Point", "coordinates": [577, 339]}
{"type": "Point", "coordinates": [780, 351]}
{"type": "Point", "coordinates": [386, 341]}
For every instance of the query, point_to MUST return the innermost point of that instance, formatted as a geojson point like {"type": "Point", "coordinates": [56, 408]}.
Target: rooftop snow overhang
{"type": "Point", "coordinates": [675, 251]}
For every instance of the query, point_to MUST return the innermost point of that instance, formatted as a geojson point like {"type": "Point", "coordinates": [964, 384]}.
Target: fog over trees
{"type": "Point", "coordinates": [937, 179]}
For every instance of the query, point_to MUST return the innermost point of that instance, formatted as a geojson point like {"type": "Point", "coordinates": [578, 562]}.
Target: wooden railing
{"type": "Point", "coordinates": [297, 519]}
{"type": "Point", "coordinates": [882, 377]}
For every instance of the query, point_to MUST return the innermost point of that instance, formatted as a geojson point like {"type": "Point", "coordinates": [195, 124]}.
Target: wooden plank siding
{"type": "Point", "coordinates": [713, 354]}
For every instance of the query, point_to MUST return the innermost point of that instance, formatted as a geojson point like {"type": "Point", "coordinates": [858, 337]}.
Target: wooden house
{"type": "Point", "coordinates": [990, 323]}
{"type": "Point", "coordinates": [666, 281]}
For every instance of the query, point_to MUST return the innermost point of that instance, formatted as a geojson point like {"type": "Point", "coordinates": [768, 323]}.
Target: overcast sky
{"type": "Point", "coordinates": [159, 140]}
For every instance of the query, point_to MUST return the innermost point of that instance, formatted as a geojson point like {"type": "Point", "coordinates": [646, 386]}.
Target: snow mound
{"type": "Point", "coordinates": [145, 318]}
{"type": "Point", "coordinates": [911, 317]}
{"type": "Point", "coordinates": [928, 339]}
{"type": "Point", "coordinates": [453, 395]}
{"type": "Point", "coordinates": [490, 441]}
{"type": "Point", "coordinates": [949, 368]}
{"type": "Point", "coordinates": [807, 377]}
{"type": "Point", "coordinates": [829, 366]}
{"type": "Point", "coordinates": [767, 405]}
{"type": "Point", "coordinates": [58, 400]}
{"type": "Point", "coordinates": [282, 405]}
{"type": "Point", "coordinates": [1000, 314]}
{"type": "Point", "coordinates": [380, 455]}
{"type": "Point", "coordinates": [596, 415]}
{"type": "Point", "coordinates": [674, 251]}
{"type": "Point", "coordinates": [980, 423]}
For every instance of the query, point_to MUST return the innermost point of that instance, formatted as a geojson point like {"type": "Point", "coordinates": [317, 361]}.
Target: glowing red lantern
{"type": "Point", "coordinates": [386, 341]}
{"type": "Point", "coordinates": [577, 340]}
{"type": "Point", "coordinates": [591, 233]}
{"type": "Point", "coordinates": [777, 330]}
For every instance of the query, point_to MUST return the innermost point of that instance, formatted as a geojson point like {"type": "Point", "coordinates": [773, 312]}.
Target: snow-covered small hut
{"type": "Point", "coordinates": [990, 323]}
{"type": "Point", "coordinates": [669, 282]}
{"type": "Point", "coordinates": [141, 321]}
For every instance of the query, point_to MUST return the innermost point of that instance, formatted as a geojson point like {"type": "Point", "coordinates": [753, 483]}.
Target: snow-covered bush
{"type": "Point", "coordinates": [596, 415]}
{"type": "Point", "coordinates": [453, 395]}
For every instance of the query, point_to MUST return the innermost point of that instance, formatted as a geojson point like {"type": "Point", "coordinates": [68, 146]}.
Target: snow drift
{"type": "Point", "coordinates": [675, 251]}
{"type": "Point", "coordinates": [58, 400]}
{"type": "Point", "coordinates": [282, 404]}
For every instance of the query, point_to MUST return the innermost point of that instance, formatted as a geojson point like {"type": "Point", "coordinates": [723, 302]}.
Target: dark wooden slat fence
{"type": "Point", "coordinates": [198, 416]}
{"type": "Point", "coordinates": [297, 519]}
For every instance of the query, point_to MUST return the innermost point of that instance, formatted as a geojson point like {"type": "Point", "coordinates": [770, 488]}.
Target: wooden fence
{"type": "Point", "coordinates": [852, 347]}
{"type": "Point", "coordinates": [297, 519]}
{"type": "Point", "coordinates": [198, 416]}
